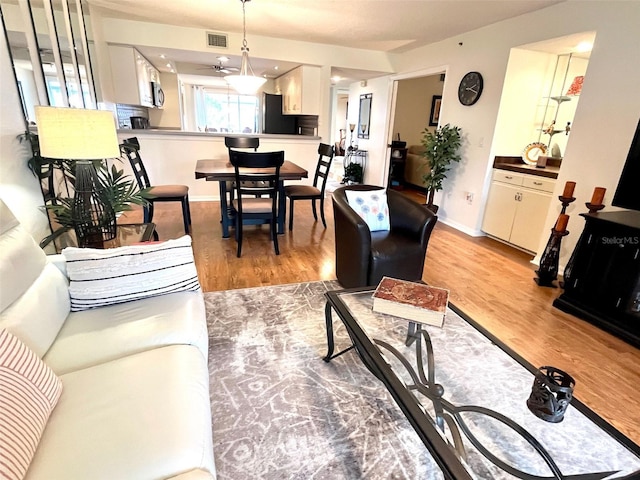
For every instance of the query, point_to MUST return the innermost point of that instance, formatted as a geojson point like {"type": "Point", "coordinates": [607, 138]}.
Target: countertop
{"type": "Point", "coordinates": [516, 164]}
{"type": "Point", "coordinates": [181, 133]}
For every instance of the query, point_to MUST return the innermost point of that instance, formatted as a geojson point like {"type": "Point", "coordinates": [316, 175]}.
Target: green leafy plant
{"type": "Point", "coordinates": [441, 149]}
{"type": "Point", "coordinates": [353, 173]}
{"type": "Point", "coordinates": [114, 188]}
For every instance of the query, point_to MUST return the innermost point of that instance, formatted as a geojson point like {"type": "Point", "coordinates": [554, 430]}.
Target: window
{"type": "Point", "coordinates": [228, 112]}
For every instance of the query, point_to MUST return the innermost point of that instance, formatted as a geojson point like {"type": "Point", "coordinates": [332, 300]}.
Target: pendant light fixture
{"type": "Point", "coordinates": [245, 82]}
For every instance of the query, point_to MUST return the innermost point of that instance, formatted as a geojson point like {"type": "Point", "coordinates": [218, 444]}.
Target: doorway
{"type": "Point", "coordinates": [416, 107]}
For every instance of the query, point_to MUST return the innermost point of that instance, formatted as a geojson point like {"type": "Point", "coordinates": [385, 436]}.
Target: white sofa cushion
{"type": "Point", "coordinates": [143, 416]}
{"type": "Point", "coordinates": [103, 334]}
{"type": "Point", "coordinates": [194, 475]}
{"type": "Point", "coordinates": [115, 275]}
{"type": "Point", "coordinates": [34, 299]}
{"type": "Point", "coordinates": [29, 391]}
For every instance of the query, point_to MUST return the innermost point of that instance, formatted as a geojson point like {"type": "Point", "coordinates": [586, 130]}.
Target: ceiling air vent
{"type": "Point", "coordinates": [218, 40]}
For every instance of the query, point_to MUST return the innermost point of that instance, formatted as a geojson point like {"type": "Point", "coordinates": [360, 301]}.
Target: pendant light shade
{"type": "Point", "coordinates": [245, 82]}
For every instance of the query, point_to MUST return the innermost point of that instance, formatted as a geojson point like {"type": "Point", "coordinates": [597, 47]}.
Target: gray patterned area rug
{"type": "Point", "coordinates": [280, 412]}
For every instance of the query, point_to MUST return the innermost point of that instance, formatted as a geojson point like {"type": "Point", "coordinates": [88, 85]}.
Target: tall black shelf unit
{"type": "Point", "coordinates": [602, 280]}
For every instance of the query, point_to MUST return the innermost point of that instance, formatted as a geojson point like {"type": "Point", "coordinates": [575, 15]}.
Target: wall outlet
{"type": "Point", "coordinates": [468, 196]}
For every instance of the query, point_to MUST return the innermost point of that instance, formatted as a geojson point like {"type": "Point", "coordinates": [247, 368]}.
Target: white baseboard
{"type": "Point", "coordinates": [463, 228]}
{"type": "Point", "coordinates": [205, 198]}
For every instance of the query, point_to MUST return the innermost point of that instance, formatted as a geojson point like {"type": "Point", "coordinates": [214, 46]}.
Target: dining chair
{"type": "Point", "coordinates": [316, 191]}
{"type": "Point", "coordinates": [256, 174]}
{"type": "Point", "coordinates": [246, 143]}
{"type": "Point", "coordinates": [157, 193]}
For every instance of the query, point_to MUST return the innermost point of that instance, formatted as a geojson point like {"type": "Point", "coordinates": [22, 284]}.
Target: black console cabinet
{"type": "Point", "coordinates": [602, 280]}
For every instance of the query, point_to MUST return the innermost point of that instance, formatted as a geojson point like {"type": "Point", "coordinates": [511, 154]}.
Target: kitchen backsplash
{"type": "Point", "coordinates": [125, 112]}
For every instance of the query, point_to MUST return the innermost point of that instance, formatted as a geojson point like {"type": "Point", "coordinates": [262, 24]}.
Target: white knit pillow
{"type": "Point", "coordinates": [28, 392]}
{"type": "Point", "coordinates": [116, 275]}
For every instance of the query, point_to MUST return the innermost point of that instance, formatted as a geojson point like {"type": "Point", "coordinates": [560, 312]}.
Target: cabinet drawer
{"type": "Point", "coordinates": [538, 183]}
{"type": "Point", "coordinates": [506, 176]}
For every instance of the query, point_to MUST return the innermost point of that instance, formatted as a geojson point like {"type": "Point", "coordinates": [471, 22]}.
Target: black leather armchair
{"type": "Point", "coordinates": [364, 257]}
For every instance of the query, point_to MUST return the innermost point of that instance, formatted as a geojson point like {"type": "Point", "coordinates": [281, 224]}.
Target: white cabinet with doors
{"type": "Point", "coordinates": [517, 208]}
{"type": "Point", "coordinates": [300, 90]}
{"type": "Point", "coordinates": [132, 75]}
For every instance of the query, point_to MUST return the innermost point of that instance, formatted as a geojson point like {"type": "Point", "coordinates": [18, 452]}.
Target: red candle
{"type": "Point", "coordinates": [562, 222]}
{"type": "Point", "coordinates": [598, 196]}
{"type": "Point", "coordinates": [568, 189]}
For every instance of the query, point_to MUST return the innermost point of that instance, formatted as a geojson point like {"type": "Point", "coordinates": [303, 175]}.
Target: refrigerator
{"type": "Point", "coordinates": [273, 120]}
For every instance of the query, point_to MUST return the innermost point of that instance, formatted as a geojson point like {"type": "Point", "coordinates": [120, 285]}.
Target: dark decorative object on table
{"type": "Point", "coordinates": [551, 393]}
{"type": "Point", "coordinates": [94, 219]}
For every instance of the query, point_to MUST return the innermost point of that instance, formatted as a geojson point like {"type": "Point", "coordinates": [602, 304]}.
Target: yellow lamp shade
{"type": "Point", "coordinates": [76, 134]}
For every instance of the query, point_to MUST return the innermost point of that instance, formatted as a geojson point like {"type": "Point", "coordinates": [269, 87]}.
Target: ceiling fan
{"type": "Point", "coordinates": [220, 68]}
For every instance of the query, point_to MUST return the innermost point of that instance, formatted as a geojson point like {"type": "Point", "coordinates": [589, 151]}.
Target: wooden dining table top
{"type": "Point", "coordinates": [221, 169]}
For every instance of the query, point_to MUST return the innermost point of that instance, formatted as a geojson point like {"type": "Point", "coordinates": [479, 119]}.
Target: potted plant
{"type": "Point", "coordinates": [353, 173]}
{"type": "Point", "coordinates": [441, 149]}
{"type": "Point", "coordinates": [112, 185]}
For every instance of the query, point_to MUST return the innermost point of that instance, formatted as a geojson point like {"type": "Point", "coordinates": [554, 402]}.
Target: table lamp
{"type": "Point", "coordinates": [84, 136]}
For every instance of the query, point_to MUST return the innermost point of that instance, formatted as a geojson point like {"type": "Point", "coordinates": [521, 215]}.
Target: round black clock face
{"type": "Point", "coordinates": [470, 88]}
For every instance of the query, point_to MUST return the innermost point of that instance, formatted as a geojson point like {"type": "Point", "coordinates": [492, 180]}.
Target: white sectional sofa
{"type": "Point", "coordinates": [135, 384]}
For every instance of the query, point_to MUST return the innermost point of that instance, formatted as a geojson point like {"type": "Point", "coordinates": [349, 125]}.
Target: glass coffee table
{"type": "Point", "coordinates": [465, 394]}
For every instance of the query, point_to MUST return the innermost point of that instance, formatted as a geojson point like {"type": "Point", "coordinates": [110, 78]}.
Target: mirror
{"type": "Point", "coordinates": [364, 119]}
{"type": "Point", "coordinates": [48, 45]}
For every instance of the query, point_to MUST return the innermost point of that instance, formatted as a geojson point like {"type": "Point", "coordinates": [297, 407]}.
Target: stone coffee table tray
{"type": "Point", "coordinates": [468, 403]}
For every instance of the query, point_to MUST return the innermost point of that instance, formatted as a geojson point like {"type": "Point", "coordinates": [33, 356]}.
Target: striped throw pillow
{"type": "Point", "coordinates": [28, 392]}
{"type": "Point", "coordinates": [116, 275]}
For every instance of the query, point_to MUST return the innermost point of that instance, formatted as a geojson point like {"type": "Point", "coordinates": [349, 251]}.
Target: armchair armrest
{"type": "Point", "coordinates": [411, 217]}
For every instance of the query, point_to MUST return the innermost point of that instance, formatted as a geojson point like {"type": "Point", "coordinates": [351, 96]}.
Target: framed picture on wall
{"type": "Point", "coordinates": [436, 101]}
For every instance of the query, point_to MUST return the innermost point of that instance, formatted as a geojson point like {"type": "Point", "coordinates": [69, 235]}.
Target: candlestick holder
{"type": "Point", "coordinates": [548, 271]}
{"type": "Point", "coordinates": [594, 208]}
{"type": "Point", "coordinates": [566, 201]}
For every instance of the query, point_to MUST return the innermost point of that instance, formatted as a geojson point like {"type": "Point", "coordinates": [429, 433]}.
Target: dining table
{"type": "Point", "coordinates": [220, 170]}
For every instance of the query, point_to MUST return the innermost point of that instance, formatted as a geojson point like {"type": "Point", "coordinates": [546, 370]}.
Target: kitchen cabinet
{"type": "Point", "coordinates": [300, 90]}
{"type": "Point", "coordinates": [132, 75]}
{"type": "Point", "coordinates": [517, 208]}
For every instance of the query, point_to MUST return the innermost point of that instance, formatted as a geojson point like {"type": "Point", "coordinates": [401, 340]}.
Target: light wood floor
{"type": "Point", "coordinates": [489, 281]}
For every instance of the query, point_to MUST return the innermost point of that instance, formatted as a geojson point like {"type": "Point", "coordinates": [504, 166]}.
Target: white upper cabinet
{"type": "Point", "coordinates": [132, 75]}
{"type": "Point", "coordinates": [300, 90]}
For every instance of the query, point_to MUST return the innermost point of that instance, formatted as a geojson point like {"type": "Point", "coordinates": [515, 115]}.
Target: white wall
{"type": "Point", "coordinates": [19, 189]}
{"type": "Point", "coordinates": [605, 119]}
{"type": "Point", "coordinates": [376, 145]}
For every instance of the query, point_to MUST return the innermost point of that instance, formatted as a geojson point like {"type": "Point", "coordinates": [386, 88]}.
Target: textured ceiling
{"type": "Point", "coordinates": [385, 25]}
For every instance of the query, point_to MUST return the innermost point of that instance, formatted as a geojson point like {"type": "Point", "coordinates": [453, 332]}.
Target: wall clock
{"type": "Point", "coordinates": [470, 88]}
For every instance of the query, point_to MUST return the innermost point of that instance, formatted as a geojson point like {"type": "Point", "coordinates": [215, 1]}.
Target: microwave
{"type": "Point", "coordinates": [157, 95]}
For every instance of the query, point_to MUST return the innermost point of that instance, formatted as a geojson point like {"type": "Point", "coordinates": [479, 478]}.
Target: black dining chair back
{"type": "Point", "coordinates": [258, 175]}
{"type": "Point", "coordinates": [315, 192]}
{"type": "Point", "coordinates": [156, 193]}
{"type": "Point", "coordinates": [242, 142]}
{"type": "Point", "coordinates": [248, 143]}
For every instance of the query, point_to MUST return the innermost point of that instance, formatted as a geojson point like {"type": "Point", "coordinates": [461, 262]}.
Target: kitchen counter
{"type": "Point", "coordinates": [181, 133]}
{"type": "Point", "coordinates": [516, 164]}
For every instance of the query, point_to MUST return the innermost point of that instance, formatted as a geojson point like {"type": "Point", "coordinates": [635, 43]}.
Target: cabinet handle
{"type": "Point", "coordinates": [508, 177]}
{"type": "Point", "coordinates": [537, 183]}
